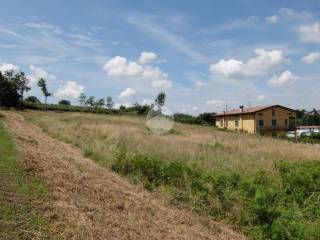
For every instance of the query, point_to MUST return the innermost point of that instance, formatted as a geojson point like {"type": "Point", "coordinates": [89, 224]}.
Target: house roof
{"type": "Point", "coordinates": [247, 110]}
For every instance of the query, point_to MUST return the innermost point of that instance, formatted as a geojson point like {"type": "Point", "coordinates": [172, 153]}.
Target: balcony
{"type": "Point", "coordinates": [276, 128]}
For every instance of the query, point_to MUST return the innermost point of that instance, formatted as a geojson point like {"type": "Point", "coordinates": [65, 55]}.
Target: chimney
{"type": "Point", "coordinates": [241, 108]}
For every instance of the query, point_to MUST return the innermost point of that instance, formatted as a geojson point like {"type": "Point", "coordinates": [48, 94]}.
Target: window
{"type": "Point", "coordinates": [236, 123]}
{"type": "Point", "coordinates": [260, 114]}
{"type": "Point", "coordinates": [273, 112]}
{"type": "Point", "coordinates": [286, 122]}
{"type": "Point", "coordinates": [261, 123]}
{"type": "Point", "coordinates": [274, 122]}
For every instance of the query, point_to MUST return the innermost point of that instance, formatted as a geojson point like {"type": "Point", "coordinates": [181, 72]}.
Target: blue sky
{"type": "Point", "coordinates": [204, 54]}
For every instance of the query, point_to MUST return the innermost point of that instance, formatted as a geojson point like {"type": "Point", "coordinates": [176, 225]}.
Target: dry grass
{"type": "Point", "coordinates": [94, 203]}
{"type": "Point", "coordinates": [99, 135]}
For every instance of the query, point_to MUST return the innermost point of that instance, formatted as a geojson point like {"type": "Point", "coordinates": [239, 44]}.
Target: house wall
{"type": "Point", "coordinates": [249, 122]}
{"type": "Point", "coordinates": [281, 115]}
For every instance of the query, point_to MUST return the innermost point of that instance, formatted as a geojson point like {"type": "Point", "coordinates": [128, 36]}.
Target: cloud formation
{"type": "Point", "coordinates": [272, 19]}
{"type": "Point", "coordinates": [264, 61]}
{"type": "Point", "coordinates": [285, 77]}
{"type": "Point", "coordinates": [71, 90]}
{"type": "Point", "coordinates": [311, 58]}
{"type": "Point", "coordinates": [8, 67]}
{"type": "Point", "coordinates": [121, 67]}
{"type": "Point", "coordinates": [37, 73]}
{"type": "Point", "coordinates": [147, 58]}
{"type": "Point", "coordinates": [129, 92]}
{"type": "Point", "coordinates": [310, 32]}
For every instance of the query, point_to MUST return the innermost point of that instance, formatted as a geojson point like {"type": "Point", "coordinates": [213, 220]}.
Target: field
{"type": "Point", "coordinates": [265, 187]}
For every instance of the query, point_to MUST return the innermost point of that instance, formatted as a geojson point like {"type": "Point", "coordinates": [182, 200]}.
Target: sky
{"type": "Point", "coordinates": [206, 55]}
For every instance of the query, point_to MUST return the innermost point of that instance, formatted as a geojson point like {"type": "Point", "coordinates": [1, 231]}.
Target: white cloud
{"type": "Point", "coordinates": [120, 66]}
{"type": "Point", "coordinates": [264, 61]}
{"type": "Point", "coordinates": [129, 92]}
{"type": "Point", "coordinates": [162, 83]}
{"type": "Point", "coordinates": [214, 103]}
{"type": "Point", "coordinates": [36, 73]}
{"type": "Point", "coordinates": [147, 101]}
{"type": "Point", "coordinates": [272, 19]}
{"type": "Point", "coordinates": [71, 90]}
{"type": "Point", "coordinates": [199, 83]}
{"type": "Point", "coordinates": [310, 33]}
{"type": "Point", "coordinates": [261, 97]}
{"type": "Point", "coordinates": [285, 77]}
{"type": "Point", "coordinates": [147, 58]}
{"type": "Point", "coordinates": [8, 67]}
{"type": "Point", "coordinates": [311, 57]}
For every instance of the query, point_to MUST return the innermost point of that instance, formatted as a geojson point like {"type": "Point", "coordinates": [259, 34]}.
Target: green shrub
{"type": "Point", "coordinates": [265, 208]}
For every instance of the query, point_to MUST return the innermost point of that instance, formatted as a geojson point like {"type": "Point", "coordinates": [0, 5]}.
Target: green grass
{"type": "Point", "coordinates": [23, 199]}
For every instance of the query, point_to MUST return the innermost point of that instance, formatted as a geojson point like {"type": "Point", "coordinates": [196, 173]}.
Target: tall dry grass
{"type": "Point", "coordinates": [99, 136]}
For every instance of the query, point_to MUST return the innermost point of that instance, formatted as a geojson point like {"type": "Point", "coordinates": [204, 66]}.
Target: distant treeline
{"type": "Point", "coordinates": [305, 117]}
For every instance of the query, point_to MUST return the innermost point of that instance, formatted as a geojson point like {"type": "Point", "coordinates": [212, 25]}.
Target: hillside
{"type": "Point", "coordinates": [267, 188]}
{"type": "Point", "coordinates": [90, 202]}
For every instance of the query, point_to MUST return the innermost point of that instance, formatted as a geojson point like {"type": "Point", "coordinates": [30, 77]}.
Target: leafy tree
{"type": "Point", "coordinates": [21, 82]}
{"type": "Point", "coordinates": [43, 86]}
{"type": "Point", "coordinates": [32, 99]}
{"type": "Point", "coordinates": [64, 102]}
{"type": "Point", "coordinates": [206, 118]}
{"type": "Point", "coordinates": [13, 85]}
{"type": "Point", "coordinates": [122, 108]}
{"type": "Point", "coordinates": [90, 101]}
{"type": "Point", "coordinates": [9, 96]}
{"type": "Point", "coordinates": [160, 100]}
{"type": "Point", "coordinates": [109, 103]}
{"type": "Point", "coordinates": [99, 103]}
{"type": "Point", "coordinates": [82, 99]}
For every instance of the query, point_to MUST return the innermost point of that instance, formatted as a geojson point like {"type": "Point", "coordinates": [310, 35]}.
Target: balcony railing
{"type": "Point", "coordinates": [275, 128]}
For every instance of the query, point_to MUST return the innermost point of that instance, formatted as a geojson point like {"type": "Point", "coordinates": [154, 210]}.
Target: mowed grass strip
{"type": "Point", "coordinates": [24, 201]}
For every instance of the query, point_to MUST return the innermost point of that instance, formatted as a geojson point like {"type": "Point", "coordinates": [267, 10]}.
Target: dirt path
{"type": "Point", "coordinates": [94, 203]}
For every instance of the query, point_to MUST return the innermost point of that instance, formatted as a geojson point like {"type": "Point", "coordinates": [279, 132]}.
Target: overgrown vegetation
{"type": "Point", "coordinates": [23, 199]}
{"type": "Point", "coordinates": [266, 187]}
{"type": "Point", "coordinates": [259, 205]}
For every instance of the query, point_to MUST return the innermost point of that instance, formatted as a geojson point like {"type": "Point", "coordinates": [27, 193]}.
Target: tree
{"type": "Point", "coordinates": [109, 103]}
{"type": "Point", "coordinates": [99, 103]}
{"type": "Point", "coordinates": [160, 100]}
{"type": "Point", "coordinates": [32, 99]}
{"type": "Point", "coordinates": [22, 85]}
{"type": "Point", "coordinates": [90, 101]}
{"type": "Point", "coordinates": [82, 99]}
{"type": "Point", "coordinates": [9, 96]}
{"type": "Point", "coordinates": [13, 85]}
{"type": "Point", "coordinates": [43, 86]}
{"type": "Point", "coordinates": [64, 102]}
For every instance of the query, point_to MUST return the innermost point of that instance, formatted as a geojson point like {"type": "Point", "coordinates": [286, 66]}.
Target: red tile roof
{"type": "Point", "coordinates": [247, 110]}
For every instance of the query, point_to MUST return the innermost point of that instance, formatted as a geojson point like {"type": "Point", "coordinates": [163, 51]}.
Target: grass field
{"type": "Point", "coordinates": [265, 187]}
{"type": "Point", "coordinates": [23, 199]}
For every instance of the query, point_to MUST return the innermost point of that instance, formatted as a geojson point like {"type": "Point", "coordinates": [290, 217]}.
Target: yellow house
{"type": "Point", "coordinates": [269, 120]}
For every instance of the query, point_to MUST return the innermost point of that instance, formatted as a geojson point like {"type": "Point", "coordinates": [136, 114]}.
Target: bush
{"type": "Point", "coordinates": [264, 207]}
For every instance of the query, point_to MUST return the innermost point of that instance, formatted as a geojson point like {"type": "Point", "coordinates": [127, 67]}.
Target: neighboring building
{"type": "Point", "coordinates": [307, 130]}
{"type": "Point", "coordinates": [269, 120]}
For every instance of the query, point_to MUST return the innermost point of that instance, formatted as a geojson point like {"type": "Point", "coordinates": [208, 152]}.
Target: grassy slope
{"type": "Point", "coordinates": [23, 199]}
{"type": "Point", "coordinates": [266, 187]}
